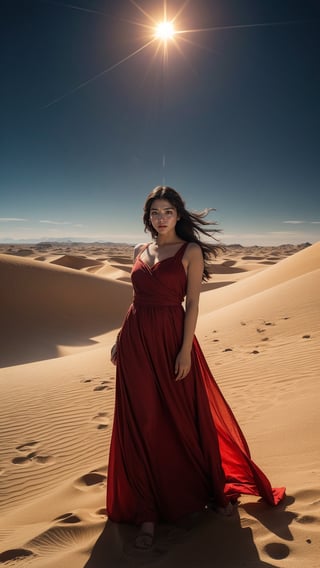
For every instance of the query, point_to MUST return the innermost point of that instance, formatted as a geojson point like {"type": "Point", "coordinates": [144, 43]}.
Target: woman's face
{"type": "Point", "coordinates": [163, 216]}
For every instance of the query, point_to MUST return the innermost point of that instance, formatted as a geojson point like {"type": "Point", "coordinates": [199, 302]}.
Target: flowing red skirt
{"type": "Point", "coordinates": [176, 445]}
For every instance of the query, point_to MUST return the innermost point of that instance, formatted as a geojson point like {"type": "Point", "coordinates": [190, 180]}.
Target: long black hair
{"type": "Point", "coordinates": [190, 225]}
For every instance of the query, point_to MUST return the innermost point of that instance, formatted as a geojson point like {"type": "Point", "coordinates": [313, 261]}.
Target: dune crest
{"type": "Point", "coordinates": [76, 262]}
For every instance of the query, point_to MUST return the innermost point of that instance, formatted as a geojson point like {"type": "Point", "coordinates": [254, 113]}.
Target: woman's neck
{"type": "Point", "coordinates": [168, 240]}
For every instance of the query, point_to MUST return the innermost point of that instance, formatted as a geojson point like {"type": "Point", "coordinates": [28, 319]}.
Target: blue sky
{"type": "Point", "coordinates": [231, 119]}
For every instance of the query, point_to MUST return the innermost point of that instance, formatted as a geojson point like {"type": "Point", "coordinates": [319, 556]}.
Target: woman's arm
{"type": "Point", "coordinates": [194, 266]}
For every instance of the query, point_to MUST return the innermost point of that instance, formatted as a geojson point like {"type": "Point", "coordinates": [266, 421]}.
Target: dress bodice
{"type": "Point", "coordinates": [163, 284]}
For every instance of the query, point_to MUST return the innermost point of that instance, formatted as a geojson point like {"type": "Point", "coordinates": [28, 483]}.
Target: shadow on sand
{"type": "Point", "coordinates": [201, 541]}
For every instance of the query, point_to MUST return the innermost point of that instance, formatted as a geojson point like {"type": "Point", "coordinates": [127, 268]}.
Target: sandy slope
{"type": "Point", "coordinates": [48, 308]}
{"type": "Point", "coordinates": [261, 338]}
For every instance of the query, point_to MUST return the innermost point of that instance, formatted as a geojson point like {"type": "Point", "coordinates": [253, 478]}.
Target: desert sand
{"type": "Point", "coordinates": [61, 308]}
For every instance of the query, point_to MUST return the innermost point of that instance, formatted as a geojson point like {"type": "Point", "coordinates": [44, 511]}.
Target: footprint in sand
{"type": "Point", "coordinates": [306, 336]}
{"type": "Point", "coordinates": [31, 456]}
{"type": "Point", "coordinates": [24, 460]}
{"type": "Point", "coordinates": [90, 379]}
{"type": "Point", "coordinates": [104, 385]}
{"type": "Point", "coordinates": [101, 512]}
{"type": "Point", "coordinates": [92, 479]}
{"type": "Point", "coordinates": [100, 388]}
{"type": "Point", "coordinates": [14, 554]}
{"type": "Point", "coordinates": [228, 349]}
{"type": "Point", "coordinates": [44, 460]}
{"type": "Point", "coordinates": [103, 420]}
{"type": "Point", "coordinates": [69, 518]}
{"type": "Point", "coordinates": [27, 447]}
{"type": "Point", "coordinates": [277, 550]}
{"type": "Point", "coordinates": [306, 519]}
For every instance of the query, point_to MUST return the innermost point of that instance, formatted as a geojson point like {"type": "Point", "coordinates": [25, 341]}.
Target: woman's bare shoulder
{"type": "Point", "coordinates": [138, 249]}
{"type": "Point", "coordinates": [193, 250]}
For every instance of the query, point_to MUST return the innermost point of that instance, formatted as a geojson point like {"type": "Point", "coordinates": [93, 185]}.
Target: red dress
{"type": "Point", "coordinates": [176, 445]}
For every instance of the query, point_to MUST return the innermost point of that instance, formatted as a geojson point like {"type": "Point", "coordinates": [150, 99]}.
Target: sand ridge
{"type": "Point", "coordinates": [259, 329]}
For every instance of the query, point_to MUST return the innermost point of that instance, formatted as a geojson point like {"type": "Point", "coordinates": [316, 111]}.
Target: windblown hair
{"type": "Point", "coordinates": [190, 226]}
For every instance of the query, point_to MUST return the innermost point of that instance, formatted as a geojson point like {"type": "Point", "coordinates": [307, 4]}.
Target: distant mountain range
{"type": "Point", "coordinates": [86, 240]}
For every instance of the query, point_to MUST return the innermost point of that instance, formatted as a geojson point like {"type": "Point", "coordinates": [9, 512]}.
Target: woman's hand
{"type": "Point", "coordinates": [182, 365]}
{"type": "Point", "coordinates": [113, 357]}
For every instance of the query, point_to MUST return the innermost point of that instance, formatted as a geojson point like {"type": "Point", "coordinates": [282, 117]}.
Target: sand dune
{"type": "Point", "coordinates": [260, 335]}
{"type": "Point", "coordinates": [302, 262]}
{"type": "Point", "coordinates": [77, 262]}
{"type": "Point", "coordinates": [100, 268]}
{"type": "Point", "coordinates": [116, 272]}
{"type": "Point", "coordinates": [296, 300]}
{"type": "Point", "coordinates": [46, 306]}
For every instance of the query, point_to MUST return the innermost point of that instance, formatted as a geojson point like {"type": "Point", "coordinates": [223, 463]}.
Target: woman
{"type": "Point", "coordinates": [176, 446]}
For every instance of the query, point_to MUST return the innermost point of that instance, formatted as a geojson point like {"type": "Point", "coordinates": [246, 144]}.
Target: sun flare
{"type": "Point", "coordinates": [162, 36]}
{"type": "Point", "coordinates": [165, 30]}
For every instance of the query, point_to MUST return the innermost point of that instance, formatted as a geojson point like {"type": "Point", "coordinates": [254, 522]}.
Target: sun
{"type": "Point", "coordinates": [165, 30]}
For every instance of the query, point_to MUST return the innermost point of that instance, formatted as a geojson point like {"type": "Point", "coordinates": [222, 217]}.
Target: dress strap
{"type": "Point", "coordinates": [180, 252]}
